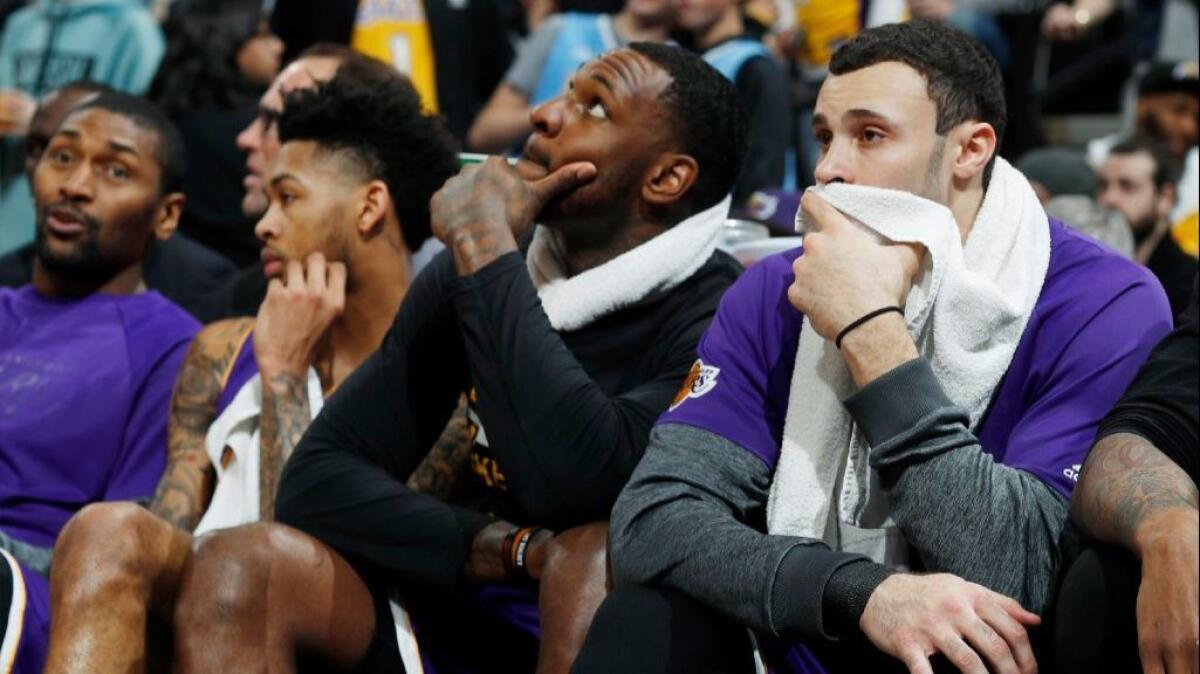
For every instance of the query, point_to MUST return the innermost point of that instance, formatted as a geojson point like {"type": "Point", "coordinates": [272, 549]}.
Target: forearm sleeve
{"type": "Point", "coordinates": [681, 521]}
{"type": "Point", "coordinates": [964, 513]}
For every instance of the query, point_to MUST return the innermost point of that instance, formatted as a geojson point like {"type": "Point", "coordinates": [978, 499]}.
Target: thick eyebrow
{"type": "Point", "coordinates": [122, 147]}
{"type": "Point", "coordinates": [113, 145]}
{"type": "Point", "coordinates": [284, 176]}
{"type": "Point", "coordinates": [819, 119]}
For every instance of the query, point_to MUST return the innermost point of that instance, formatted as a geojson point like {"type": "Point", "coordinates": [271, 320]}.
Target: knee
{"type": "Point", "coordinates": [231, 572]}
{"type": "Point", "coordinates": [226, 575]}
{"type": "Point", "coordinates": [103, 542]}
{"type": "Point", "coordinates": [579, 556]}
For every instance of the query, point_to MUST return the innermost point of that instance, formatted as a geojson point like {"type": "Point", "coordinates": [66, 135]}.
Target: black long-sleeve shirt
{"type": "Point", "coordinates": [1163, 403]}
{"type": "Point", "coordinates": [566, 415]}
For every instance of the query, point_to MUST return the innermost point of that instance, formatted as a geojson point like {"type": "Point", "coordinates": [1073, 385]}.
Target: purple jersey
{"type": "Point", "coordinates": [1095, 321]}
{"type": "Point", "coordinates": [85, 389]}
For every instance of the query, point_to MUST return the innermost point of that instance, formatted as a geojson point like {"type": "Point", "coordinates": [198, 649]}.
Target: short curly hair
{"type": "Point", "coordinates": [962, 78]}
{"type": "Point", "coordinates": [372, 113]}
{"type": "Point", "coordinates": [708, 116]}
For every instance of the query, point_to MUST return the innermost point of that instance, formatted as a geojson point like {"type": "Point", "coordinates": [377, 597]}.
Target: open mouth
{"type": "Point", "coordinates": [65, 221]}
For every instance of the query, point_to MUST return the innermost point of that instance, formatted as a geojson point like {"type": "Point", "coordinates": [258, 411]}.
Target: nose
{"type": "Point", "coordinates": [248, 139]}
{"type": "Point", "coordinates": [1107, 197]}
{"type": "Point", "coordinates": [267, 228]}
{"type": "Point", "coordinates": [79, 185]}
{"type": "Point", "coordinates": [835, 166]}
{"type": "Point", "coordinates": [547, 118]}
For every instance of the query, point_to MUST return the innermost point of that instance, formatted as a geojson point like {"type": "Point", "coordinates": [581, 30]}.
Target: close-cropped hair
{"type": "Point", "coordinates": [169, 151]}
{"type": "Point", "coordinates": [708, 117]}
{"type": "Point", "coordinates": [963, 80]}
{"type": "Point", "coordinates": [1166, 168]}
{"type": "Point", "coordinates": [371, 113]}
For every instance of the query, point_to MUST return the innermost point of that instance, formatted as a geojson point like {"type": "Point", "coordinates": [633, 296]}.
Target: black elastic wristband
{"type": "Point", "coordinates": [878, 312]}
{"type": "Point", "coordinates": [506, 549]}
{"type": "Point", "coordinates": [522, 548]}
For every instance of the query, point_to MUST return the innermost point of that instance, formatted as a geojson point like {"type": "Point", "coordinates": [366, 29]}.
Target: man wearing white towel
{"type": "Point", "coordinates": [864, 409]}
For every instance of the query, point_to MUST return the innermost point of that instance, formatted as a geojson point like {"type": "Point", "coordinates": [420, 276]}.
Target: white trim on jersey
{"type": "Point", "coordinates": [16, 616]}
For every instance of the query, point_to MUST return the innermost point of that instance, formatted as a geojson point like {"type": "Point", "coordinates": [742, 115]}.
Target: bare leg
{"type": "Point", "coordinates": [112, 562]}
{"type": "Point", "coordinates": [251, 596]}
{"type": "Point", "coordinates": [573, 584]}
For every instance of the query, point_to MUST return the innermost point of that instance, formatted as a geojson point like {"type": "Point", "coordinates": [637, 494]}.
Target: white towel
{"type": "Point", "coordinates": [656, 265]}
{"type": "Point", "coordinates": [235, 498]}
{"type": "Point", "coordinates": [966, 312]}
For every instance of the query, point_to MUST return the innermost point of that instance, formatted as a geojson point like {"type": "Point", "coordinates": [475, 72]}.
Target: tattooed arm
{"type": "Point", "coordinates": [1128, 487]}
{"type": "Point", "coordinates": [441, 469]}
{"type": "Point", "coordinates": [186, 485]}
{"type": "Point", "coordinates": [285, 415]}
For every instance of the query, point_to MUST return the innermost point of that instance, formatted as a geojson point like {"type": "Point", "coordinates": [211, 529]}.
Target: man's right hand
{"type": "Point", "coordinates": [16, 111]}
{"type": "Point", "coordinates": [296, 314]}
{"type": "Point", "coordinates": [912, 617]}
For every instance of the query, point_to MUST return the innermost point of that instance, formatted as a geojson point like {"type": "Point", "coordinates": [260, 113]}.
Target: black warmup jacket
{"type": "Point", "coordinates": [566, 415]}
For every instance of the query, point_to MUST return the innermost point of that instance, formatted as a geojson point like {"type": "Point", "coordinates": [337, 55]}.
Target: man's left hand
{"type": "Point", "coordinates": [1167, 614]}
{"type": "Point", "coordinates": [481, 212]}
{"type": "Point", "coordinates": [847, 272]}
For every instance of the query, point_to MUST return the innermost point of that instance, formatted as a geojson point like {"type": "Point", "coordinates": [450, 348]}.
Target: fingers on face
{"type": "Point", "coordinates": [818, 211]}
{"type": "Point", "coordinates": [315, 273]}
{"type": "Point", "coordinates": [295, 274]}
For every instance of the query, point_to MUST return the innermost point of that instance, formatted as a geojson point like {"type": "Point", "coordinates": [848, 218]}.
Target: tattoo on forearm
{"type": "Point", "coordinates": [183, 491]}
{"type": "Point", "coordinates": [1124, 480]}
{"type": "Point", "coordinates": [441, 469]}
{"type": "Point", "coordinates": [285, 416]}
{"type": "Point", "coordinates": [484, 563]}
{"type": "Point", "coordinates": [479, 246]}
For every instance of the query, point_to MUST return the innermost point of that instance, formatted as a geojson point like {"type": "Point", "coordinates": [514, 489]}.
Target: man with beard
{"type": "Point", "coordinates": [178, 268]}
{"type": "Point", "coordinates": [87, 355]}
{"type": "Point", "coordinates": [569, 352]}
{"type": "Point", "coordinates": [1139, 180]}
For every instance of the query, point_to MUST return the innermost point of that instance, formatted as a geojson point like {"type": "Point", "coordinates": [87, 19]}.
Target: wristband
{"type": "Point", "coordinates": [857, 323]}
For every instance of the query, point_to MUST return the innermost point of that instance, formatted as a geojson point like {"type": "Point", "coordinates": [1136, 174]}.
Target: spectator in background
{"type": "Point", "coordinates": [716, 30]}
{"type": "Point", "coordinates": [454, 51]}
{"type": "Point", "coordinates": [220, 58]}
{"type": "Point", "coordinates": [1139, 180]}
{"type": "Point", "coordinates": [260, 142]}
{"type": "Point", "coordinates": [51, 43]}
{"type": "Point", "coordinates": [1168, 110]}
{"type": "Point", "coordinates": [1131, 598]}
{"type": "Point", "coordinates": [181, 270]}
{"type": "Point", "coordinates": [87, 359]}
{"type": "Point", "coordinates": [550, 57]}
{"type": "Point", "coordinates": [1066, 186]}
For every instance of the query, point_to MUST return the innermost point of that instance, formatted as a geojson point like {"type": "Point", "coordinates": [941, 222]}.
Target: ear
{"type": "Point", "coordinates": [669, 179]}
{"type": "Point", "coordinates": [166, 218]}
{"type": "Point", "coordinates": [975, 145]}
{"type": "Point", "coordinates": [1166, 201]}
{"type": "Point", "coordinates": [373, 209]}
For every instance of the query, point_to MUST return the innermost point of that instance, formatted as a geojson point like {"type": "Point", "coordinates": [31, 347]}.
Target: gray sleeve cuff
{"type": "Point", "coordinates": [847, 593]}
{"type": "Point", "coordinates": [898, 401]}
{"type": "Point", "coordinates": [797, 608]}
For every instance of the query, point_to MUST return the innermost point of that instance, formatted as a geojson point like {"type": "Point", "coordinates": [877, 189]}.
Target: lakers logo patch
{"type": "Point", "coordinates": [700, 380]}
